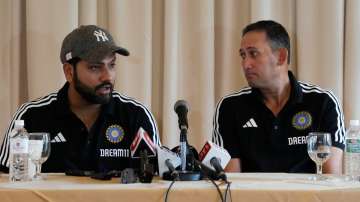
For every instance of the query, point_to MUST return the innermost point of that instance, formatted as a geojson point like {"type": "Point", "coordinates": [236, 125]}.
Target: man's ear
{"type": "Point", "coordinates": [282, 56]}
{"type": "Point", "coordinates": [69, 72]}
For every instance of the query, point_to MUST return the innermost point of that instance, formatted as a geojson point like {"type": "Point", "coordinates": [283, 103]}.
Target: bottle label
{"type": "Point", "coordinates": [19, 146]}
{"type": "Point", "coordinates": [353, 145]}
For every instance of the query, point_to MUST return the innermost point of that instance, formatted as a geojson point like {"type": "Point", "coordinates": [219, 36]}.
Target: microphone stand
{"type": "Point", "coordinates": [186, 175]}
{"type": "Point", "coordinates": [183, 147]}
{"type": "Point", "coordinates": [187, 170]}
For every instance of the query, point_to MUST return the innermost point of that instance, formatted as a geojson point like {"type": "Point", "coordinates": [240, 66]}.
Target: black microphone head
{"type": "Point", "coordinates": [181, 107]}
{"type": "Point", "coordinates": [215, 162]}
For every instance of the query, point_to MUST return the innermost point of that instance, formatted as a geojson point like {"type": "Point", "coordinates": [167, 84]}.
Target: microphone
{"type": "Point", "coordinates": [215, 162]}
{"type": "Point", "coordinates": [181, 108]}
{"type": "Point", "coordinates": [186, 152]}
{"type": "Point", "coordinates": [142, 147]}
{"type": "Point", "coordinates": [146, 169]}
{"type": "Point", "coordinates": [215, 156]}
{"type": "Point", "coordinates": [206, 170]}
{"type": "Point", "coordinates": [167, 162]}
{"type": "Point", "coordinates": [170, 165]}
{"type": "Point", "coordinates": [141, 142]}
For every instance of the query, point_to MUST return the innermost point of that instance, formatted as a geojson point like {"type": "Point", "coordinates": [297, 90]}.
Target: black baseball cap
{"type": "Point", "coordinates": [90, 43]}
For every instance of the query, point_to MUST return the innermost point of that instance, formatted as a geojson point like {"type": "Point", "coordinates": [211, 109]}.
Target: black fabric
{"type": "Point", "coordinates": [268, 143]}
{"type": "Point", "coordinates": [83, 149]}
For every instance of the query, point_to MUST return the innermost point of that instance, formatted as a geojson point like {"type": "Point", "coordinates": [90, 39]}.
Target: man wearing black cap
{"type": "Point", "coordinates": [91, 126]}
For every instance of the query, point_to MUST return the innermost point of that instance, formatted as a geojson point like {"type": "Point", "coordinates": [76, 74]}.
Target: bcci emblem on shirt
{"type": "Point", "coordinates": [302, 120]}
{"type": "Point", "coordinates": [115, 134]}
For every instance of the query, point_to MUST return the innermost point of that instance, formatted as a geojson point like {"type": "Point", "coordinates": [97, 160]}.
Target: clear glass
{"type": "Point", "coordinates": [39, 151]}
{"type": "Point", "coordinates": [319, 150]}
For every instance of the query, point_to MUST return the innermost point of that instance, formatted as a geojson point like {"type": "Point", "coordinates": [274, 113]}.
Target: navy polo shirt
{"type": "Point", "coordinates": [106, 146]}
{"type": "Point", "coordinates": [266, 143]}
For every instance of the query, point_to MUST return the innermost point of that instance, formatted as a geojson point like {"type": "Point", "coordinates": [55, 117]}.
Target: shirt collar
{"type": "Point", "coordinates": [109, 108]}
{"type": "Point", "coordinates": [63, 107]}
{"type": "Point", "coordinates": [296, 94]}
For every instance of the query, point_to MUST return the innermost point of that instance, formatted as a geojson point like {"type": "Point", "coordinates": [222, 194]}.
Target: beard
{"type": "Point", "coordinates": [89, 94]}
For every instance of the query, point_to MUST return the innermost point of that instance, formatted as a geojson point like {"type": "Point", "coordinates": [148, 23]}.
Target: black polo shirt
{"type": "Point", "coordinates": [106, 146]}
{"type": "Point", "coordinates": [266, 143]}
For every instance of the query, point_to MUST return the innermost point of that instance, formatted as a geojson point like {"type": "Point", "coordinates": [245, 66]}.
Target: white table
{"type": "Point", "coordinates": [252, 187]}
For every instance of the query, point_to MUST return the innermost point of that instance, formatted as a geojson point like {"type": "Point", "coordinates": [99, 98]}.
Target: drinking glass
{"type": "Point", "coordinates": [39, 151]}
{"type": "Point", "coordinates": [319, 150]}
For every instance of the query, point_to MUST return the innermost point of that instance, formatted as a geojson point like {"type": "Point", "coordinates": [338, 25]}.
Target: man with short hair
{"type": "Point", "coordinates": [264, 127]}
{"type": "Point", "coordinates": [91, 126]}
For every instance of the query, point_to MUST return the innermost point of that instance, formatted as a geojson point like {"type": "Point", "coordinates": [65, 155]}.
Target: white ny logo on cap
{"type": "Point", "coordinates": [100, 35]}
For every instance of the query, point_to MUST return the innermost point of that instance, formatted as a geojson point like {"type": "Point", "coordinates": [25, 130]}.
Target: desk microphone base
{"type": "Point", "coordinates": [183, 176]}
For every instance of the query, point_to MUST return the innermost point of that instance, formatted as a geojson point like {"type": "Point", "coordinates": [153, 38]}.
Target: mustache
{"type": "Point", "coordinates": [104, 84]}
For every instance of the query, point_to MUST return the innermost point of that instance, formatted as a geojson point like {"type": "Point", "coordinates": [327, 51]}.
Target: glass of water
{"type": "Point", "coordinates": [319, 150]}
{"type": "Point", "coordinates": [39, 151]}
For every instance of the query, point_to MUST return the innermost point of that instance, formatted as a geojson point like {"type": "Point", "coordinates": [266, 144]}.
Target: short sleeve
{"type": "Point", "coordinates": [224, 131]}
{"type": "Point", "coordinates": [333, 121]}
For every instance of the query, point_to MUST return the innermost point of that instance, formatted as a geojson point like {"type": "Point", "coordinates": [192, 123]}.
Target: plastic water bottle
{"type": "Point", "coordinates": [19, 153]}
{"type": "Point", "coordinates": [352, 151]}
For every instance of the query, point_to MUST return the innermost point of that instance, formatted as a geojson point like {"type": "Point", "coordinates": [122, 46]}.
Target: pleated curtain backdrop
{"type": "Point", "coordinates": [180, 49]}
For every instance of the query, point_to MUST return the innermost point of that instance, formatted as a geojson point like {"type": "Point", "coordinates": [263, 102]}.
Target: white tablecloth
{"type": "Point", "coordinates": [252, 187]}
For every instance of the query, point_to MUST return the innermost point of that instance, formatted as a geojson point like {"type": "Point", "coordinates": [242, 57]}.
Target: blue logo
{"type": "Point", "coordinates": [302, 120]}
{"type": "Point", "coordinates": [115, 133]}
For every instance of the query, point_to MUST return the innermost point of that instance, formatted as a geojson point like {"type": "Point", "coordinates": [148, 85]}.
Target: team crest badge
{"type": "Point", "coordinates": [302, 120]}
{"type": "Point", "coordinates": [115, 133]}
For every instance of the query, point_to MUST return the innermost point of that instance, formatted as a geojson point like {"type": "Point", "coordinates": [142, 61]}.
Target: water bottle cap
{"type": "Point", "coordinates": [19, 123]}
{"type": "Point", "coordinates": [354, 122]}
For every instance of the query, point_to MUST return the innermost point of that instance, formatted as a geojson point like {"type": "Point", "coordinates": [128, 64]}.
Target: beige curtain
{"type": "Point", "coordinates": [180, 49]}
